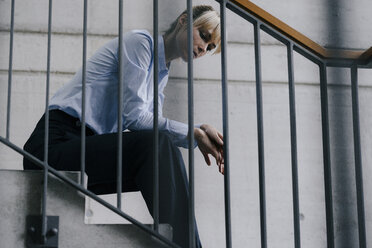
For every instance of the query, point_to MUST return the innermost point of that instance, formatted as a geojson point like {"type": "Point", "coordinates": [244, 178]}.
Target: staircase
{"type": "Point", "coordinates": [292, 202]}
{"type": "Point", "coordinates": [20, 194]}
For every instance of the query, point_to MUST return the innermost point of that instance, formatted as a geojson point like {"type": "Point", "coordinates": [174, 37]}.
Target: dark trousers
{"type": "Point", "coordinates": [101, 161]}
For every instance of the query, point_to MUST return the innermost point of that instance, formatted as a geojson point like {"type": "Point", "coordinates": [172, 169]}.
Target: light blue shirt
{"type": "Point", "coordinates": [102, 89]}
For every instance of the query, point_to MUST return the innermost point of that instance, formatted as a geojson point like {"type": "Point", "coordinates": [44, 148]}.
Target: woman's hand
{"type": "Point", "coordinates": [213, 134]}
{"type": "Point", "coordinates": [210, 141]}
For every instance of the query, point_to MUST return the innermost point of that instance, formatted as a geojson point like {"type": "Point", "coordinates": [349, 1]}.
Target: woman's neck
{"type": "Point", "coordinates": [170, 47]}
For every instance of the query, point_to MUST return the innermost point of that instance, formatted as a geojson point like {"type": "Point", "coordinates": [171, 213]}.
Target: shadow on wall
{"type": "Point", "coordinates": [341, 135]}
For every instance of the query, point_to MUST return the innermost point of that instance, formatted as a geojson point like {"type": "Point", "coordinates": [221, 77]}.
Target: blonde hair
{"type": "Point", "coordinates": [206, 18]}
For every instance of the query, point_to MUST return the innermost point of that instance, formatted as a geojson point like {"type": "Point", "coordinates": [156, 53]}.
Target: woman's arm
{"type": "Point", "coordinates": [137, 115]}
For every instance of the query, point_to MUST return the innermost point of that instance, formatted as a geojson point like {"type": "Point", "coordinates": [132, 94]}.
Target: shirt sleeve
{"type": "Point", "coordinates": [136, 65]}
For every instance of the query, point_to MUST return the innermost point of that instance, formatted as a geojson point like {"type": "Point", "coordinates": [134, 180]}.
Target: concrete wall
{"type": "Point", "coordinates": [308, 17]}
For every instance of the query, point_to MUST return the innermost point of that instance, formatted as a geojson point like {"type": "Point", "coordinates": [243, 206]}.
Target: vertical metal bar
{"type": "Point", "coordinates": [292, 110]}
{"type": "Point", "coordinates": [10, 70]}
{"type": "Point", "coordinates": [120, 109]}
{"type": "Point", "coordinates": [156, 117]}
{"type": "Point", "coordinates": [260, 133]}
{"type": "Point", "coordinates": [326, 155]}
{"type": "Point", "coordinates": [83, 95]}
{"type": "Point", "coordinates": [190, 86]}
{"type": "Point", "coordinates": [225, 114]}
{"type": "Point", "coordinates": [46, 137]}
{"type": "Point", "coordinates": [358, 158]}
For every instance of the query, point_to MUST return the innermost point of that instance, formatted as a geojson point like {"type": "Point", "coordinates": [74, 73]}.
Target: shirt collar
{"type": "Point", "coordinates": [162, 62]}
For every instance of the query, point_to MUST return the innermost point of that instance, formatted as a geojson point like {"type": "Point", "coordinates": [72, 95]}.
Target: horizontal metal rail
{"type": "Point", "coordinates": [86, 192]}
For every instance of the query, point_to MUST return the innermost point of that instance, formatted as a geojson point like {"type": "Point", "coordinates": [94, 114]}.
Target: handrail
{"type": "Point", "coordinates": [272, 21]}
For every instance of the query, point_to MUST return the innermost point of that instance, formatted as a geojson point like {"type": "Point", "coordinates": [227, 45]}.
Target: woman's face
{"type": "Point", "coordinates": [201, 43]}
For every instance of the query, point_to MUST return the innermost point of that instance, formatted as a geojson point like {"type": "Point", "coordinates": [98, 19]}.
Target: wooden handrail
{"type": "Point", "coordinates": [299, 38]}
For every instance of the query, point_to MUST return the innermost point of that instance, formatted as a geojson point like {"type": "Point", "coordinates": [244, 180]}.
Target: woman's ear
{"type": "Point", "coordinates": [182, 20]}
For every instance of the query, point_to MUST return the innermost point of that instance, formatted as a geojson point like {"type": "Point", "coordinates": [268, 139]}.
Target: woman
{"type": "Point", "coordinates": [101, 120]}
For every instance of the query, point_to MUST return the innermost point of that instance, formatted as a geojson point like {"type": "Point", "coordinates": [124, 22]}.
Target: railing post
{"type": "Point", "coordinates": [326, 155]}
{"type": "Point", "coordinates": [10, 70]}
{"type": "Point", "coordinates": [156, 118]}
{"type": "Point", "coordinates": [292, 109]}
{"type": "Point", "coordinates": [225, 116]}
{"type": "Point", "coordinates": [46, 137]}
{"type": "Point", "coordinates": [190, 87]}
{"type": "Point", "coordinates": [260, 134]}
{"type": "Point", "coordinates": [358, 158]}
{"type": "Point", "coordinates": [83, 95]}
{"type": "Point", "coordinates": [120, 110]}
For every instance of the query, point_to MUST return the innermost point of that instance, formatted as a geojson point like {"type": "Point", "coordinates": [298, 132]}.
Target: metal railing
{"type": "Point", "coordinates": [295, 41]}
{"type": "Point", "coordinates": [260, 23]}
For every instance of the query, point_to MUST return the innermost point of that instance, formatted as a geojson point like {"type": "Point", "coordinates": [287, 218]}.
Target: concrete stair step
{"type": "Point", "coordinates": [20, 194]}
{"type": "Point", "coordinates": [132, 203]}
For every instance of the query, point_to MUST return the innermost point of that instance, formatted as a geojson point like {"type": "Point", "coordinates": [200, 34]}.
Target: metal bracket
{"type": "Point", "coordinates": [34, 238]}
